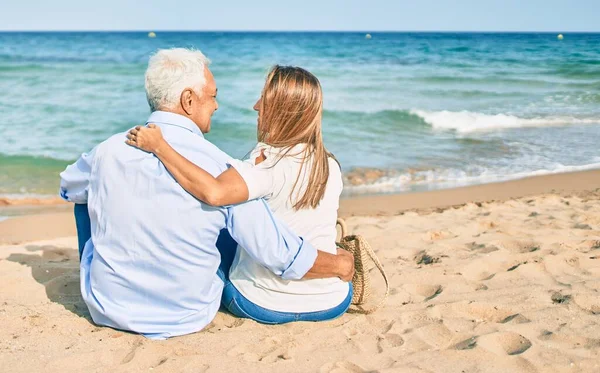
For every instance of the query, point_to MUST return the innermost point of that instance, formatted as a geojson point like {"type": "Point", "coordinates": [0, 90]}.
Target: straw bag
{"type": "Point", "coordinates": [361, 281]}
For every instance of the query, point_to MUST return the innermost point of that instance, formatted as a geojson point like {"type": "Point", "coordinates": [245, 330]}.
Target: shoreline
{"type": "Point", "coordinates": [392, 204]}
{"type": "Point", "coordinates": [53, 218]}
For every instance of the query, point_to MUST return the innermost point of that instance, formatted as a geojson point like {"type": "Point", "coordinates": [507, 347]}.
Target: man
{"type": "Point", "coordinates": [151, 264]}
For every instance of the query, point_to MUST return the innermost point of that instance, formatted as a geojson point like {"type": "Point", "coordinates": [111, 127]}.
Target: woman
{"type": "Point", "coordinates": [301, 182]}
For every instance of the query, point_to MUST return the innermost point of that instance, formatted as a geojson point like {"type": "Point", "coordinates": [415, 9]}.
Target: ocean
{"type": "Point", "coordinates": [403, 111]}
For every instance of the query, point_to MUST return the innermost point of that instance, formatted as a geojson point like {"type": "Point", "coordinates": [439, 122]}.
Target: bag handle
{"type": "Point", "coordinates": [379, 266]}
{"type": "Point", "coordinates": [343, 226]}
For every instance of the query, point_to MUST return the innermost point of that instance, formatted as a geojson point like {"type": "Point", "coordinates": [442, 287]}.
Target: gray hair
{"type": "Point", "coordinates": [169, 72]}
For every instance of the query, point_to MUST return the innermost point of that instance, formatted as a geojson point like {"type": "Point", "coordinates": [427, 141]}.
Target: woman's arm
{"type": "Point", "coordinates": [226, 189]}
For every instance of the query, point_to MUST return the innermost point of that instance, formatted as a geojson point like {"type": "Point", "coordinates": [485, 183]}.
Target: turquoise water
{"type": "Point", "coordinates": [432, 110]}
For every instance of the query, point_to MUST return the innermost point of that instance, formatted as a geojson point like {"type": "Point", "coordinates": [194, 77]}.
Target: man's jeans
{"type": "Point", "coordinates": [82, 222]}
{"type": "Point", "coordinates": [232, 299]}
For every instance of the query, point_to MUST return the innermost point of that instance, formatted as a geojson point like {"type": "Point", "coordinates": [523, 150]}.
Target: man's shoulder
{"type": "Point", "coordinates": [213, 150]}
{"type": "Point", "coordinates": [193, 147]}
{"type": "Point", "coordinates": [199, 150]}
{"type": "Point", "coordinates": [114, 144]}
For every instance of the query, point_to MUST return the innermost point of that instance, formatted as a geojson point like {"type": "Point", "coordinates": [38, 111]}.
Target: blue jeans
{"type": "Point", "coordinates": [240, 306]}
{"type": "Point", "coordinates": [82, 222]}
{"type": "Point", "coordinates": [232, 299]}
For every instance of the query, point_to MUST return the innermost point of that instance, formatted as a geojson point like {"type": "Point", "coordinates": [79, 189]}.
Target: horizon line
{"type": "Point", "coordinates": [311, 31]}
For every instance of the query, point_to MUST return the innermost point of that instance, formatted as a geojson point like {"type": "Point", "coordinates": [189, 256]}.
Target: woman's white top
{"type": "Point", "coordinates": [274, 180]}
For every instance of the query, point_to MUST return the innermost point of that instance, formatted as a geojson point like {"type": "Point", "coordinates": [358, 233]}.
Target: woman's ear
{"type": "Point", "coordinates": [187, 101]}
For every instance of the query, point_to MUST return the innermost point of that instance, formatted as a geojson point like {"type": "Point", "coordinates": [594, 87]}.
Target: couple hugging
{"type": "Point", "coordinates": [169, 233]}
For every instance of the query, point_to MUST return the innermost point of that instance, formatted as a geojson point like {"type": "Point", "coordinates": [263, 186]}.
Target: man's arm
{"type": "Point", "coordinates": [271, 243]}
{"type": "Point", "coordinates": [329, 265]}
{"type": "Point", "coordinates": [75, 179]}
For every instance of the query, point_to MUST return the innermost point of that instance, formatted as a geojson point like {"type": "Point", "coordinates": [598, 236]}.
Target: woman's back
{"type": "Point", "coordinates": [316, 225]}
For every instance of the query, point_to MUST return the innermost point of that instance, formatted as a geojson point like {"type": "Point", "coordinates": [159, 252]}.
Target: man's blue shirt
{"type": "Point", "coordinates": [150, 266]}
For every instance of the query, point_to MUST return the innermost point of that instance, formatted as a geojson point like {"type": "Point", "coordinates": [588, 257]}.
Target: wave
{"type": "Point", "coordinates": [391, 181]}
{"type": "Point", "coordinates": [470, 93]}
{"type": "Point", "coordinates": [466, 121]}
{"type": "Point", "coordinates": [24, 174]}
{"type": "Point", "coordinates": [547, 80]}
{"type": "Point", "coordinates": [588, 70]}
{"type": "Point", "coordinates": [25, 160]}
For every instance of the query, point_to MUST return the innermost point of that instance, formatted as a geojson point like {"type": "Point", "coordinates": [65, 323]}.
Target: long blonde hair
{"type": "Point", "coordinates": [291, 109]}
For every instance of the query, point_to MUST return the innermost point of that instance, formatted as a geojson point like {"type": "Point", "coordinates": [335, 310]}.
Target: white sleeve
{"type": "Point", "coordinates": [259, 180]}
{"type": "Point", "coordinates": [75, 179]}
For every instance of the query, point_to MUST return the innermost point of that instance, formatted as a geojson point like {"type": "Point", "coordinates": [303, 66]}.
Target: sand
{"type": "Point", "coordinates": [509, 282]}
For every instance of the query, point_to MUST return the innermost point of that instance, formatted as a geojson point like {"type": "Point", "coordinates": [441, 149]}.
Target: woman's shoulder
{"type": "Point", "coordinates": [335, 175]}
{"type": "Point", "coordinates": [334, 167]}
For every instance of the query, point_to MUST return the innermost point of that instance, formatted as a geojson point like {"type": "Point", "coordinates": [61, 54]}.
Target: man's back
{"type": "Point", "coordinates": [151, 264]}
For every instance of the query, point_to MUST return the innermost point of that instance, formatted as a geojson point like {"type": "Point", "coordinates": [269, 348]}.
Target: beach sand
{"type": "Point", "coordinates": [494, 278]}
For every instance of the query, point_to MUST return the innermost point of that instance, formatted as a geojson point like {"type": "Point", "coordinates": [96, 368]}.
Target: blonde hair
{"type": "Point", "coordinates": [291, 109]}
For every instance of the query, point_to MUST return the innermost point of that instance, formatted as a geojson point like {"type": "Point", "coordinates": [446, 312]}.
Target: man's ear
{"type": "Point", "coordinates": [187, 99]}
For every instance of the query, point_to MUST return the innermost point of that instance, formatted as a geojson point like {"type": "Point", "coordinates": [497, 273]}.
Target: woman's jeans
{"type": "Point", "coordinates": [240, 306]}
{"type": "Point", "coordinates": [232, 299]}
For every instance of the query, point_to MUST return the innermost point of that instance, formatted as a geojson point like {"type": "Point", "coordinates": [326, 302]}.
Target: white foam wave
{"type": "Point", "coordinates": [452, 178]}
{"type": "Point", "coordinates": [467, 121]}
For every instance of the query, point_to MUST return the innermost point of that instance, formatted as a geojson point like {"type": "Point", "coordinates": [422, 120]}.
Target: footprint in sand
{"type": "Point", "coordinates": [466, 344]}
{"type": "Point", "coordinates": [415, 344]}
{"type": "Point", "coordinates": [487, 224]}
{"type": "Point", "coordinates": [481, 248]}
{"type": "Point", "coordinates": [436, 335]}
{"type": "Point", "coordinates": [422, 292]}
{"type": "Point", "coordinates": [131, 354]}
{"type": "Point", "coordinates": [276, 355]}
{"type": "Point", "coordinates": [517, 318]}
{"type": "Point", "coordinates": [582, 226]}
{"type": "Point", "coordinates": [567, 341]}
{"type": "Point", "coordinates": [417, 319]}
{"type": "Point", "coordinates": [504, 343]}
{"type": "Point", "coordinates": [479, 271]}
{"type": "Point", "coordinates": [237, 351]}
{"type": "Point", "coordinates": [519, 246]}
{"type": "Point", "coordinates": [67, 286]}
{"type": "Point", "coordinates": [438, 235]}
{"type": "Point", "coordinates": [267, 350]}
{"type": "Point", "coordinates": [389, 340]}
{"type": "Point", "coordinates": [589, 245]}
{"type": "Point", "coordinates": [341, 367]}
{"type": "Point", "coordinates": [588, 302]}
{"type": "Point", "coordinates": [564, 267]}
{"type": "Point", "coordinates": [421, 257]}
{"type": "Point", "coordinates": [484, 312]}
{"type": "Point", "coordinates": [559, 298]}
{"type": "Point", "coordinates": [402, 367]}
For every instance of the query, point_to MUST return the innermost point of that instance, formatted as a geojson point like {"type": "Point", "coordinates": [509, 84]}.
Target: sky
{"type": "Point", "coordinates": [301, 15]}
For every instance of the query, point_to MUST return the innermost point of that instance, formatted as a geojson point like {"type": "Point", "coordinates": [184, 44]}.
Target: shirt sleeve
{"type": "Point", "coordinates": [269, 241]}
{"type": "Point", "coordinates": [259, 180]}
{"type": "Point", "coordinates": [75, 179]}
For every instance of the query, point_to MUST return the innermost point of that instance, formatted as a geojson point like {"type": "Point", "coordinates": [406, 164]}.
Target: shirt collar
{"type": "Point", "coordinates": [294, 151]}
{"type": "Point", "coordinates": [172, 119]}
